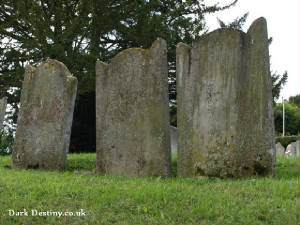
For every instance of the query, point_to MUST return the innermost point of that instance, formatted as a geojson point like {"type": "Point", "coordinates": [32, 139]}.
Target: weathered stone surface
{"type": "Point", "coordinates": [294, 144]}
{"type": "Point", "coordinates": [297, 146]}
{"type": "Point", "coordinates": [293, 149]}
{"type": "Point", "coordinates": [279, 149]}
{"type": "Point", "coordinates": [132, 115]}
{"type": "Point", "coordinates": [290, 150]}
{"type": "Point", "coordinates": [225, 115]}
{"type": "Point", "coordinates": [3, 103]}
{"type": "Point", "coordinates": [173, 132]}
{"type": "Point", "coordinates": [45, 117]}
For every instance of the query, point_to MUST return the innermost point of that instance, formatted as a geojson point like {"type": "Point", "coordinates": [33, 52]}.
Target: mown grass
{"type": "Point", "coordinates": [120, 200]}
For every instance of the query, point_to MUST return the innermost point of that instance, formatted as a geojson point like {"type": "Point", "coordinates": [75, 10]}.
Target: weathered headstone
{"type": "Point", "coordinates": [293, 149]}
{"type": "Point", "coordinates": [173, 132]}
{"type": "Point", "coordinates": [132, 116]}
{"type": "Point", "coordinates": [279, 149]}
{"type": "Point", "coordinates": [45, 117]}
{"type": "Point", "coordinates": [294, 144]}
{"type": "Point", "coordinates": [3, 103]}
{"type": "Point", "coordinates": [224, 113]}
{"type": "Point", "coordinates": [290, 150]}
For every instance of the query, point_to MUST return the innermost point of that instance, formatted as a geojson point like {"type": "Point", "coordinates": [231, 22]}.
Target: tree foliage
{"type": "Point", "coordinates": [292, 118]}
{"type": "Point", "coordinates": [237, 23]}
{"type": "Point", "coordinates": [278, 81]}
{"type": "Point", "coordinates": [295, 100]}
{"type": "Point", "coordinates": [78, 32]}
{"type": "Point", "coordinates": [6, 141]}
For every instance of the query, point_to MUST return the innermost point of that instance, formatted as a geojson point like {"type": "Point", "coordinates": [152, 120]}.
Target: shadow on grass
{"type": "Point", "coordinates": [174, 165]}
{"type": "Point", "coordinates": [81, 162]}
{"type": "Point", "coordinates": [287, 168]}
{"type": "Point", "coordinates": [88, 162]}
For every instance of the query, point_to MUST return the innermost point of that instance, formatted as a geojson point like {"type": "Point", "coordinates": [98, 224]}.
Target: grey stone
{"type": "Point", "coordinates": [3, 102]}
{"type": "Point", "coordinates": [290, 150]}
{"type": "Point", "coordinates": [45, 117]}
{"type": "Point", "coordinates": [132, 115]}
{"type": "Point", "coordinates": [294, 144]}
{"type": "Point", "coordinates": [224, 113]}
{"type": "Point", "coordinates": [279, 149]}
{"type": "Point", "coordinates": [297, 148]}
{"type": "Point", "coordinates": [293, 149]}
{"type": "Point", "coordinates": [173, 132]}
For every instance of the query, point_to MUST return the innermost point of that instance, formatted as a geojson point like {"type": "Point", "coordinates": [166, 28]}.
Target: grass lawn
{"type": "Point", "coordinates": [120, 200]}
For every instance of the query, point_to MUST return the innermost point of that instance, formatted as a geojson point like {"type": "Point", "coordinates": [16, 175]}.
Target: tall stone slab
{"type": "Point", "coordinates": [290, 149]}
{"type": "Point", "coordinates": [3, 102]}
{"type": "Point", "coordinates": [224, 114]}
{"type": "Point", "coordinates": [294, 144]}
{"type": "Point", "coordinates": [45, 118]}
{"type": "Point", "coordinates": [132, 115]}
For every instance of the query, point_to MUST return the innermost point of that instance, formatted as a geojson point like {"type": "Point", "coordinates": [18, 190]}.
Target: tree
{"type": "Point", "coordinates": [78, 32]}
{"type": "Point", "coordinates": [295, 100]}
{"type": "Point", "coordinates": [278, 81]}
{"type": "Point", "coordinates": [32, 31]}
{"type": "Point", "coordinates": [237, 23]}
{"type": "Point", "coordinates": [6, 140]}
{"type": "Point", "coordinates": [292, 118]}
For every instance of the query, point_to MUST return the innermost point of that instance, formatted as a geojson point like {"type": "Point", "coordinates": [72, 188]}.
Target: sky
{"type": "Point", "coordinates": [283, 19]}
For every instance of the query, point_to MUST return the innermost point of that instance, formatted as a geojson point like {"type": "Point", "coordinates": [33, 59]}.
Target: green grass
{"type": "Point", "coordinates": [120, 200]}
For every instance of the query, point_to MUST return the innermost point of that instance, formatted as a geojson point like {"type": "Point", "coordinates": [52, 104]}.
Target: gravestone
{"type": "Point", "coordinates": [294, 144]}
{"type": "Point", "coordinates": [3, 102]}
{"type": "Point", "coordinates": [132, 114]}
{"type": "Point", "coordinates": [279, 149]}
{"type": "Point", "coordinates": [173, 132]}
{"type": "Point", "coordinates": [224, 113]}
{"type": "Point", "coordinates": [45, 117]}
{"type": "Point", "coordinates": [290, 149]}
{"type": "Point", "coordinates": [293, 149]}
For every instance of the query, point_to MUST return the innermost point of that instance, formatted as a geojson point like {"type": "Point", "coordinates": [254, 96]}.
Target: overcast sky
{"type": "Point", "coordinates": [283, 18]}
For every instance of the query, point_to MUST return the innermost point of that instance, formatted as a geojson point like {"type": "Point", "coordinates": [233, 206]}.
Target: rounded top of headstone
{"type": "Point", "coordinates": [130, 51]}
{"type": "Point", "coordinates": [53, 66]}
{"type": "Point", "coordinates": [259, 22]}
{"type": "Point", "coordinates": [258, 29]}
{"type": "Point", "coordinates": [182, 45]}
{"type": "Point", "coordinates": [159, 43]}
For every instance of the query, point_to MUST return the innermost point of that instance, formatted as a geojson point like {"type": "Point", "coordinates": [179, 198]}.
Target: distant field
{"type": "Point", "coordinates": [120, 200]}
